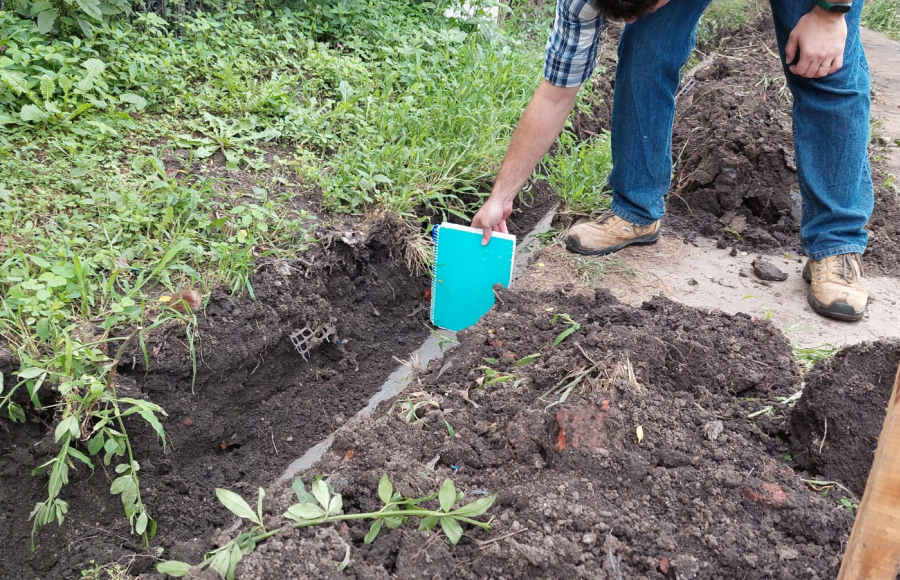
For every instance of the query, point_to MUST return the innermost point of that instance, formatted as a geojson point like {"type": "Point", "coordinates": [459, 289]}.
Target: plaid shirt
{"type": "Point", "coordinates": [572, 46]}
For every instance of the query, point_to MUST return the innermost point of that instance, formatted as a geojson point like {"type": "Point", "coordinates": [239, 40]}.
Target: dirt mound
{"type": "Point", "coordinates": [705, 494]}
{"type": "Point", "coordinates": [835, 426]}
{"type": "Point", "coordinates": [256, 405]}
{"type": "Point", "coordinates": [735, 173]}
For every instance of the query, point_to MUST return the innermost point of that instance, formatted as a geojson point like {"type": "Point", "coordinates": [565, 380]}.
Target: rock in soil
{"type": "Point", "coordinates": [578, 496]}
{"type": "Point", "coordinates": [766, 270]}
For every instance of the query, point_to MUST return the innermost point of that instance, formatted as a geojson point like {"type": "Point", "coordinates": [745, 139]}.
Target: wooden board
{"type": "Point", "coordinates": [873, 552]}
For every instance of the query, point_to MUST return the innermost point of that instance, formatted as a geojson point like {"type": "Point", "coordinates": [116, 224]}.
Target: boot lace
{"type": "Point", "coordinates": [843, 267]}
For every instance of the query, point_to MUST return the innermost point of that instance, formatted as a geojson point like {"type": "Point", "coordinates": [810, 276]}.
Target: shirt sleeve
{"type": "Point", "coordinates": [572, 46]}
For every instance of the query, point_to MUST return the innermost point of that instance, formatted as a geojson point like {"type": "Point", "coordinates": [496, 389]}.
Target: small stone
{"type": "Point", "coordinates": [767, 271]}
{"type": "Point", "coordinates": [713, 429]}
{"type": "Point", "coordinates": [771, 495]}
{"type": "Point", "coordinates": [788, 553]}
{"type": "Point", "coordinates": [187, 422]}
{"type": "Point", "coordinates": [589, 538]}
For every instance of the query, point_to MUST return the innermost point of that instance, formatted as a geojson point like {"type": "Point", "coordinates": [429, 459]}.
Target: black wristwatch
{"type": "Point", "coordinates": [839, 7]}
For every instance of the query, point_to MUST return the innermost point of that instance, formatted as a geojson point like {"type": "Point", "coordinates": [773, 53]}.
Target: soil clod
{"type": "Point", "coordinates": [767, 271]}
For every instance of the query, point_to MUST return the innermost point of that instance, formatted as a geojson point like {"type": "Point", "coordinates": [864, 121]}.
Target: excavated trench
{"type": "Point", "coordinates": [274, 377]}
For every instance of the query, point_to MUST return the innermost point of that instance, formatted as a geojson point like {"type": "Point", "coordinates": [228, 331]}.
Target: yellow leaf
{"type": "Point", "coordinates": [165, 298]}
{"type": "Point", "coordinates": [640, 433]}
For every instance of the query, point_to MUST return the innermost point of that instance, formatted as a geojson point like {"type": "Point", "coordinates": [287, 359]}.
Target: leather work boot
{"type": "Point", "coordinates": [836, 289]}
{"type": "Point", "coordinates": [609, 233]}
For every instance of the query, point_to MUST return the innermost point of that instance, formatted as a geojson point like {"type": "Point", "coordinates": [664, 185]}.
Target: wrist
{"type": "Point", "coordinates": [831, 9]}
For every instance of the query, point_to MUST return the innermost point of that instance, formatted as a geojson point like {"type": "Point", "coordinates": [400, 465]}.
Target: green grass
{"type": "Point", "coordinates": [883, 16]}
{"type": "Point", "coordinates": [144, 158]}
{"type": "Point", "coordinates": [579, 172]}
{"type": "Point", "coordinates": [808, 357]}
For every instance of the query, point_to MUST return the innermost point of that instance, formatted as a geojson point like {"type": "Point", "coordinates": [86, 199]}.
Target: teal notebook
{"type": "Point", "coordinates": [462, 285]}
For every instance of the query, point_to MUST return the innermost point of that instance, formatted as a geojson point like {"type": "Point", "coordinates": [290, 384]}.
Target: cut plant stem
{"type": "Point", "coordinates": [393, 514]}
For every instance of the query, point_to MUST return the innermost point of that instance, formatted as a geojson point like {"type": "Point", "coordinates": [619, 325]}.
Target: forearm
{"type": "Point", "coordinates": [537, 130]}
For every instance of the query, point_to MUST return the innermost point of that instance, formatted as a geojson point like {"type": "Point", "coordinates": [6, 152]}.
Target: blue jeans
{"type": "Point", "coordinates": [830, 119]}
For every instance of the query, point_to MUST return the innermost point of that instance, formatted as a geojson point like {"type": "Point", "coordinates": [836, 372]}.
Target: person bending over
{"type": "Point", "coordinates": [826, 71]}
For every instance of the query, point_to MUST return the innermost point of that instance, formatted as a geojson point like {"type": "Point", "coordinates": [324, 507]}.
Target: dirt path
{"type": "Point", "coordinates": [883, 55]}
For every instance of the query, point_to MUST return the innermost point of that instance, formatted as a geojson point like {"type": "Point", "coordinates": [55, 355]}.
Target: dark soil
{"type": "Point", "coordinates": [849, 394]}
{"type": "Point", "coordinates": [707, 494]}
{"type": "Point", "coordinates": [255, 407]}
{"type": "Point", "coordinates": [735, 174]}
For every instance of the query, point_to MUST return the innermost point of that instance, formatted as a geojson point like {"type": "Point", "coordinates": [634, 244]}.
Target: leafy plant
{"type": "Point", "coordinates": [225, 559]}
{"type": "Point", "coordinates": [67, 16]}
{"type": "Point", "coordinates": [573, 326]}
{"type": "Point", "coordinates": [409, 408]}
{"type": "Point", "coordinates": [578, 172]}
{"type": "Point", "coordinates": [849, 504]}
{"type": "Point", "coordinates": [323, 506]}
{"type": "Point", "coordinates": [234, 138]}
{"type": "Point", "coordinates": [493, 377]}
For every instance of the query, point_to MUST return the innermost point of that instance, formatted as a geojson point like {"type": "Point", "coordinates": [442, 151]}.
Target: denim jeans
{"type": "Point", "coordinates": [830, 120]}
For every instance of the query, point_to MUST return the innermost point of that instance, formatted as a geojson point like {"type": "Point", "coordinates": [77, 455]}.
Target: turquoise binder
{"type": "Point", "coordinates": [462, 284]}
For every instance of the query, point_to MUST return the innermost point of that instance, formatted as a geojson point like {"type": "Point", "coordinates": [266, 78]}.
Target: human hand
{"type": "Point", "coordinates": [820, 37]}
{"type": "Point", "coordinates": [492, 218]}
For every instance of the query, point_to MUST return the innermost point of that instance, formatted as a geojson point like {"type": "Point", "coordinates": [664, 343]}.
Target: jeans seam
{"type": "Point", "coordinates": [630, 217]}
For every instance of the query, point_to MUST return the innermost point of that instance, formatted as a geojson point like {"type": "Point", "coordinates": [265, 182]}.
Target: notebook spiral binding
{"type": "Point", "coordinates": [434, 238]}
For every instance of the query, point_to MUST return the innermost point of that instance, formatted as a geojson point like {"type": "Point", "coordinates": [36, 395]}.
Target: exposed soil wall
{"type": "Point", "coordinates": [835, 426]}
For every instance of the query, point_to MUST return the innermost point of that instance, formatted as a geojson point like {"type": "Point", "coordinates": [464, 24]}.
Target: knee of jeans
{"type": "Point", "coordinates": [640, 44]}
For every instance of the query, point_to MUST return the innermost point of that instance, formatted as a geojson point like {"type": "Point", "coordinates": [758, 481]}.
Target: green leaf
{"type": "Point", "coordinates": [93, 70]}
{"type": "Point", "coordinates": [16, 414]}
{"type": "Point", "coordinates": [46, 20]}
{"type": "Point", "coordinates": [385, 489]}
{"type": "Point", "coordinates": [69, 425]}
{"type": "Point", "coordinates": [31, 113]}
{"type": "Point", "coordinates": [150, 418]}
{"type": "Point", "coordinates": [565, 333]}
{"type": "Point", "coordinates": [15, 80]}
{"type": "Point", "coordinates": [31, 372]}
{"type": "Point", "coordinates": [140, 526]}
{"type": "Point", "coordinates": [335, 505]}
{"type": "Point", "coordinates": [236, 505]}
{"type": "Point", "coordinates": [320, 490]}
{"type": "Point", "coordinates": [173, 568]}
{"type": "Point", "coordinates": [453, 530]}
{"type": "Point", "coordinates": [301, 512]}
{"type": "Point", "coordinates": [259, 502]}
{"type": "Point", "coordinates": [81, 457]}
{"type": "Point", "coordinates": [91, 8]}
{"type": "Point", "coordinates": [490, 361]}
{"type": "Point", "coordinates": [119, 484]}
{"type": "Point", "coordinates": [95, 444]}
{"type": "Point", "coordinates": [527, 359]}
{"type": "Point", "coordinates": [221, 562]}
{"type": "Point", "coordinates": [300, 491]}
{"type": "Point", "coordinates": [447, 495]}
{"type": "Point", "coordinates": [428, 523]}
{"type": "Point", "coordinates": [373, 531]}
{"type": "Point", "coordinates": [138, 101]}
{"type": "Point", "coordinates": [476, 508]}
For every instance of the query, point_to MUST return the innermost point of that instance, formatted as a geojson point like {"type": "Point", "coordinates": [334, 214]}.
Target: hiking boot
{"type": "Point", "coordinates": [609, 233]}
{"type": "Point", "coordinates": [836, 289]}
